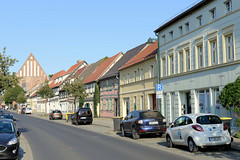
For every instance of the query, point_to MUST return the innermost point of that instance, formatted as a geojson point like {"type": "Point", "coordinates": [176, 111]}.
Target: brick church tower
{"type": "Point", "coordinates": [31, 74]}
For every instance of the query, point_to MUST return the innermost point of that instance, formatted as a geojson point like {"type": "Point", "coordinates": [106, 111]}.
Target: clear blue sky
{"type": "Point", "coordinates": [60, 32]}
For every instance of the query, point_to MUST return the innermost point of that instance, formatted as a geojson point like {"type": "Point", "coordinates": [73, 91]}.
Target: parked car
{"type": "Point", "coordinates": [9, 140]}
{"type": "Point", "coordinates": [82, 115]}
{"type": "Point", "coordinates": [198, 130]}
{"type": "Point", "coordinates": [28, 111]}
{"type": "Point", "coordinates": [55, 114]}
{"type": "Point", "coordinates": [143, 122]}
{"type": "Point", "coordinates": [8, 116]}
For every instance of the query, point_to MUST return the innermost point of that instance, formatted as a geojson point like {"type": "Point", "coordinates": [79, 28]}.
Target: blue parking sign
{"type": "Point", "coordinates": [159, 87]}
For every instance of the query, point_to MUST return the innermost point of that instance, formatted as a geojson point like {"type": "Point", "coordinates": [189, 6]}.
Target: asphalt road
{"type": "Point", "coordinates": [50, 141]}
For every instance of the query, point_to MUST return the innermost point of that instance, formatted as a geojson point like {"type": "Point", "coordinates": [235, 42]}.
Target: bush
{"type": "Point", "coordinates": [237, 135]}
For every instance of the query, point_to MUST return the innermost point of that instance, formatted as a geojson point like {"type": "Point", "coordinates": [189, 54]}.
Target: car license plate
{"type": "Point", "coordinates": [155, 122]}
{"type": "Point", "coordinates": [214, 139]}
{"type": "Point", "coordinates": [83, 117]}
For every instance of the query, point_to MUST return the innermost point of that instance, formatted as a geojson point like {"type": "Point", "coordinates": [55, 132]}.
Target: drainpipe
{"type": "Point", "coordinates": [159, 101]}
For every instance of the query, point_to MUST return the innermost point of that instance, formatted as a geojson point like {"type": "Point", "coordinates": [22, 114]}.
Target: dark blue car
{"type": "Point", "coordinates": [143, 122]}
{"type": "Point", "coordinates": [9, 140]}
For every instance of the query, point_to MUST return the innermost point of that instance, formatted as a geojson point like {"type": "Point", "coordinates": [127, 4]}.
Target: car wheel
{"type": "Point", "coordinates": [122, 132]}
{"type": "Point", "coordinates": [169, 142]}
{"type": "Point", "coordinates": [227, 147]}
{"type": "Point", "coordinates": [192, 146]}
{"type": "Point", "coordinates": [76, 122]}
{"type": "Point", "coordinates": [135, 134]}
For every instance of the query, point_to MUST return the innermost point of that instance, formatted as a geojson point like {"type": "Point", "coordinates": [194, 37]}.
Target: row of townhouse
{"type": "Point", "coordinates": [197, 53]}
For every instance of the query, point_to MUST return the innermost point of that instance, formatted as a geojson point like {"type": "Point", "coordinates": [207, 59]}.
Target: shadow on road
{"type": "Point", "coordinates": [21, 153]}
{"type": "Point", "coordinates": [23, 130]}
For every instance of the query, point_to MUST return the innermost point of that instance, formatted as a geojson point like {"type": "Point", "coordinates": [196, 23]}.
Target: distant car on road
{"type": "Point", "coordinates": [55, 114]}
{"type": "Point", "coordinates": [23, 111]}
{"type": "Point", "coordinates": [82, 115]}
{"type": "Point", "coordinates": [143, 122]}
{"type": "Point", "coordinates": [28, 111]}
{"type": "Point", "coordinates": [9, 140]}
{"type": "Point", "coordinates": [198, 130]}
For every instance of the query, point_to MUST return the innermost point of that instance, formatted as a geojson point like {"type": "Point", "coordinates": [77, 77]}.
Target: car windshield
{"type": "Point", "coordinates": [150, 115]}
{"type": "Point", "coordinates": [6, 127]}
{"type": "Point", "coordinates": [209, 119]}
{"type": "Point", "coordinates": [84, 111]}
{"type": "Point", "coordinates": [57, 111]}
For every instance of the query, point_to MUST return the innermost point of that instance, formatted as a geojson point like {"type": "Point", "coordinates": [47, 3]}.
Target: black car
{"type": "Point", "coordinates": [143, 122]}
{"type": "Point", "coordinates": [9, 139]}
{"type": "Point", "coordinates": [82, 115]}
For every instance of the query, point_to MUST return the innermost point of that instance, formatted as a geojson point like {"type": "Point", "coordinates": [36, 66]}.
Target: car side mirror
{"type": "Point", "coordinates": [18, 133]}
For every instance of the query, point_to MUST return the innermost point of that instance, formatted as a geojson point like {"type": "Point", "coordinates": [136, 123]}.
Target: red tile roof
{"type": "Point", "coordinates": [71, 69]}
{"type": "Point", "coordinates": [101, 68]}
{"type": "Point", "coordinates": [146, 53]}
{"type": "Point", "coordinates": [56, 75]}
{"type": "Point", "coordinates": [80, 71]}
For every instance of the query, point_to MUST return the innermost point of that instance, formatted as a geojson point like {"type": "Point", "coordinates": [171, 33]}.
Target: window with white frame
{"type": "Point", "coordinates": [142, 103]}
{"type": "Point", "coordinates": [110, 104]}
{"type": "Point", "coordinates": [214, 56]}
{"type": "Point", "coordinates": [101, 104]}
{"type": "Point", "coordinates": [151, 71]}
{"type": "Point", "coordinates": [181, 61]}
{"type": "Point", "coordinates": [180, 30]}
{"type": "Point", "coordinates": [135, 76]}
{"type": "Point", "coordinates": [200, 56]}
{"type": "Point", "coordinates": [171, 64]}
{"type": "Point", "coordinates": [107, 85]}
{"type": "Point", "coordinates": [141, 74]}
{"type": "Point", "coordinates": [213, 14]}
{"type": "Point", "coordinates": [229, 47]}
{"type": "Point", "coordinates": [187, 27]}
{"type": "Point", "coordinates": [228, 6]}
{"type": "Point", "coordinates": [199, 21]}
{"type": "Point", "coordinates": [110, 84]}
{"type": "Point", "coordinates": [188, 65]}
{"type": "Point", "coordinates": [106, 104]}
{"type": "Point", "coordinates": [116, 83]}
{"type": "Point", "coordinates": [128, 78]}
{"type": "Point", "coordinates": [163, 66]}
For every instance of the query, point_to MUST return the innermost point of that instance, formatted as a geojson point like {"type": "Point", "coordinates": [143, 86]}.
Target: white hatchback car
{"type": "Point", "coordinates": [198, 130]}
{"type": "Point", "coordinates": [28, 111]}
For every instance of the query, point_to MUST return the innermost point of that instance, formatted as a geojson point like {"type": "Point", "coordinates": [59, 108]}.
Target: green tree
{"type": "Point", "coordinates": [96, 99]}
{"type": "Point", "coordinates": [7, 79]}
{"type": "Point", "coordinates": [230, 96]}
{"type": "Point", "coordinates": [76, 90]}
{"type": "Point", "coordinates": [45, 92]}
{"type": "Point", "coordinates": [15, 94]}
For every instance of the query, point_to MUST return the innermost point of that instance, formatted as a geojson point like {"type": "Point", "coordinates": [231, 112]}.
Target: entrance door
{"type": "Point", "coordinates": [154, 102]}
{"type": "Point", "coordinates": [189, 108]}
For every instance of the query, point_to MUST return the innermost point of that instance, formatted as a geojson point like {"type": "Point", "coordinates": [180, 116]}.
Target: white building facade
{"type": "Point", "coordinates": [199, 54]}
